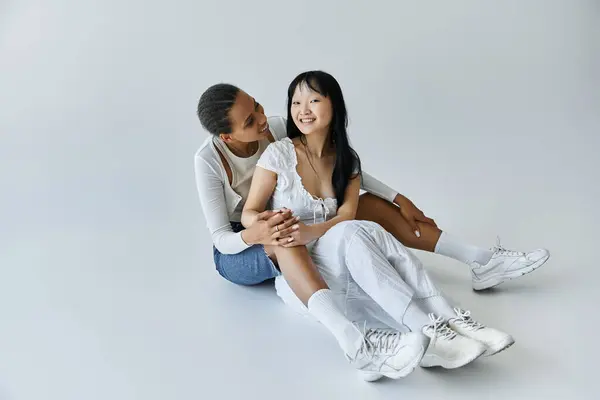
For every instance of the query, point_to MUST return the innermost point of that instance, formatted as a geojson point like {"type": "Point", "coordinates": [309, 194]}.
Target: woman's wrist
{"type": "Point", "coordinates": [318, 230]}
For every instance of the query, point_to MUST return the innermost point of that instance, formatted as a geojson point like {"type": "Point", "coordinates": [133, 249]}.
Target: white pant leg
{"type": "Point", "coordinates": [367, 260]}
{"type": "Point", "coordinates": [410, 269]}
{"type": "Point", "coordinates": [328, 254]}
{"type": "Point", "coordinates": [373, 276]}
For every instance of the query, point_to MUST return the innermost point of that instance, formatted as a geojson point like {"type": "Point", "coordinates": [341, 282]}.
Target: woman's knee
{"type": "Point", "coordinates": [367, 199]}
{"type": "Point", "coordinates": [366, 228]}
{"type": "Point", "coordinates": [270, 251]}
{"type": "Point", "coordinates": [293, 258]}
{"type": "Point", "coordinates": [357, 233]}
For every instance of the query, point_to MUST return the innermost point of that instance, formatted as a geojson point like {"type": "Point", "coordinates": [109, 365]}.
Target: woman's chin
{"type": "Point", "coordinates": [311, 131]}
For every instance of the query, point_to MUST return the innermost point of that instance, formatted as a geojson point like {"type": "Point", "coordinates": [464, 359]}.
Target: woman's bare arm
{"type": "Point", "coordinates": [295, 263]}
{"type": "Point", "coordinates": [261, 189]}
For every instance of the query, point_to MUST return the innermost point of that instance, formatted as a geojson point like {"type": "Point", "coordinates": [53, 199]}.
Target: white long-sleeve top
{"type": "Point", "coordinates": [220, 202]}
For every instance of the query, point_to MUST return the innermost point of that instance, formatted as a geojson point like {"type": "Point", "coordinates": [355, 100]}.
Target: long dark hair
{"type": "Point", "coordinates": [347, 162]}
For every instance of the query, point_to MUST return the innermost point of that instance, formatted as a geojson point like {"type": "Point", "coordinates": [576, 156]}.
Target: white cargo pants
{"type": "Point", "coordinates": [373, 276]}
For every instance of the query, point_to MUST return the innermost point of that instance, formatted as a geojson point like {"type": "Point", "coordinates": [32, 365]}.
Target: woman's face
{"type": "Point", "coordinates": [311, 111]}
{"type": "Point", "coordinates": [248, 120]}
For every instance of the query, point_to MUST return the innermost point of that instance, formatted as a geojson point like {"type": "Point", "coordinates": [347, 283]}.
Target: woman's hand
{"type": "Point", "coordinates": [270, 226]}
{"type": "Point", "coordinates": [412, 214]}
{"type": "Point", "coordinates": [303, 235]}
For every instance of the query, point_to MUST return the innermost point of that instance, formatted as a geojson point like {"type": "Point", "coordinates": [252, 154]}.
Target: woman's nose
{"type": "Point", "coordinates": [304, 109]}
{"type": "Point", "coordinates": [261, 119]}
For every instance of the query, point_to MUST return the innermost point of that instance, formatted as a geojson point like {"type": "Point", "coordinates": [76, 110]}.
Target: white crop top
{"type": "Point", "coordinates": [280, 158]}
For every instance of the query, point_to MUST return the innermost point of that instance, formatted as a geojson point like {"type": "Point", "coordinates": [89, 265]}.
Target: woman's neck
{"type": "Point", "coordinates": [318, 144]}
{"type": "Point", "coordinates": [242, 149]}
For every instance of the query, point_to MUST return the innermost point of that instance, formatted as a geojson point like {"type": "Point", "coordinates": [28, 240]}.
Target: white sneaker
{"type": "Point", "coordinates": [505, 265]}
{"type": "Point", "coordinates": [447, 348]}
{"type": "Point", "coordinates": [493, 339]}
{"type": "Point", "coordinates": [388, 353]}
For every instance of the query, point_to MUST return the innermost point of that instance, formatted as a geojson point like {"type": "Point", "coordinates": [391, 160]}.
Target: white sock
{"type": "Point", "coordinates": [415, 318]}
{"type": "Point", "coordinates": [322, 306]}
{"type": "Point", "coordinates": [452, 247]}
{"type": "Point", "coordinates": [439, 306]}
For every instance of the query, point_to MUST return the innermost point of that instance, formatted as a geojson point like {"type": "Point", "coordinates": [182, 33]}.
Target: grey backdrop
{"type": "Point", "coordinates": [485, 113]}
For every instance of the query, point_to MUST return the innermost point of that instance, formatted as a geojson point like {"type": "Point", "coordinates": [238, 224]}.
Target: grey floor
{"type": "Point", "coordinates": [140, 314]}
{"type": "Point", "coordinates": [487, 116]}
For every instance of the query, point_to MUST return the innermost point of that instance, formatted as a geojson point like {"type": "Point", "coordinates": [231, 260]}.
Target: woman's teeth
{"type": "Point", "coordinates": [264, 129]}
{"type": "Point", "coordinates": [307, 120]}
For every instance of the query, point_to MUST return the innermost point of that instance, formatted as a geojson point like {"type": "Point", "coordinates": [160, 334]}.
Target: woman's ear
{"type": "Point", "coordinates": [225, 137]}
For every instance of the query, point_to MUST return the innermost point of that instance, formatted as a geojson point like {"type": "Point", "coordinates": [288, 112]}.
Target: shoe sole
{"type": "Point", "coordinates": [375, 376]}
{"type": "Point", "coordinates": [499, 347]}
{"type": "Point", "coordinates": [495, 280]}
{"type": "Point", "coordinates": [433, 360]}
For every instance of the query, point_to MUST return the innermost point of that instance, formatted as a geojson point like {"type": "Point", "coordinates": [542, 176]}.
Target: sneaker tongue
{"type": "Point", "coordinates": [441, 330]}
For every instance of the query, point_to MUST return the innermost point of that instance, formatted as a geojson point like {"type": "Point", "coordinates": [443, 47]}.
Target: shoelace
{"type": "Point", "coordinates": [376, 340]}
{"type": "Point", "coordinates": [382, 340]}
{"type": "Point", "coordinates": [441, 329]}
{"type": "Point", "coordinates": [464, 318]}
{"type": "Point", "coordinates": [498, 249]}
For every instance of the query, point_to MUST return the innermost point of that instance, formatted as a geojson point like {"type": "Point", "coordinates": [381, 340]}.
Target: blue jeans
{"type": "Point", "coordinates": [250, 267]}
